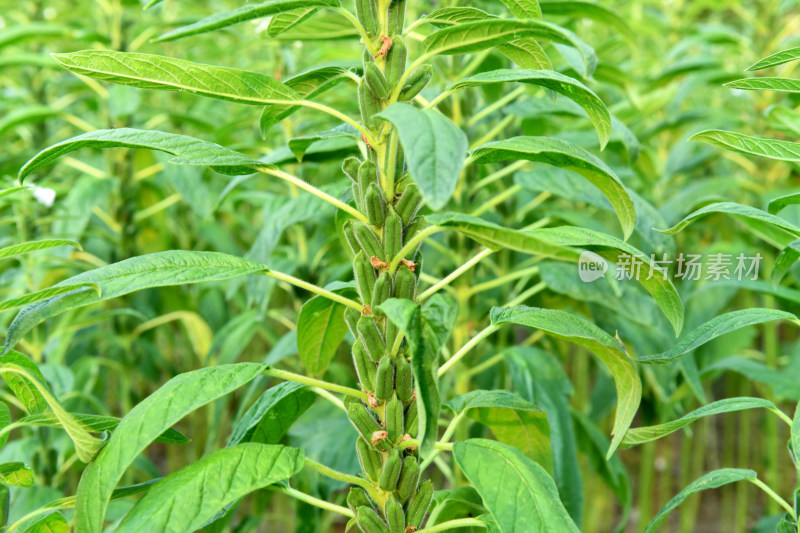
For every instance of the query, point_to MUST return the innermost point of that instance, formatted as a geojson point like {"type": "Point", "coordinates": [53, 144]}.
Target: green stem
{"type": "Point", "coordinates": [454, 524]}
{"type": "Point", "coordinates": [313, 288]}
{"type": "Point", "coordinates": [338, 114]}
{"type": "Point", "coordinates": [311, 382]}
{"type": "Point", "coordinates": [780, 501]}
{"type": "Point", "coordinates": [494, 132]}
{"type": "Point", "coordinates": [505, 171]}
{"type": "Point", "coordinates": [322, 504]}
{"type": "Point", "coordinates": [330, 397]}
{"type": "Point", "coordinates": [532, 271]}
{"type": "Point", "coordinates": [339, 476]}
{"type": "Point", "coordinates": [510, 97]}
{"type": "Point", "coordinates": [357, 25]}
{"type": "Point", "coordinates": [460, 354]}
{"type": "Point", "coordinates": [411, 245]}
{"type": "Point", "coordinates": [454, 274]}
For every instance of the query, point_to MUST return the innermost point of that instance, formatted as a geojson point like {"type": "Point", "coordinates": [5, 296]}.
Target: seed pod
{"type": "Point", "coordinates": [409, 476]}
{"type": "Point", "coordinates": [364, 366]}
{"type": "Point", "coordinates": [384, 379]}
{"type": "Point", "coordinates": [365, 276]}
{"type": "Point", "coordinates": [382, 292]}
{"type": "Point", "coordinates": [369, 521]}
{"type": "Point", "coordinates": [404, 380]}
{"type": "Point", "coordinates": [391, 332]}
{"type": "Point", "coordinates": [367, 175]}
{"type": "Point", "coordinates": [365, 9]}
{"type": "Point", "coordinates": [370, 106]}
{"type": "Point", "coordinates": [362, 420]}
{"type": "Point", "coordinates": [397, 16]}
{"type": "Point", "coordinates": [371, 337]}
{"type": "Point", "coordinates": [369, 242]}
{"type": "Point", "coordinates": [349, 230]}
{"type": "Point", "coordinates": [418, 505]}
{"type": "Point", "coordinates": [394, 419]}
{"type": "Point", "coordinates": [370, 459]}
{"type": "Point", "coordinates": [393, 511]}
{"type": "Point", "coordinates": [376, 81]}
{"type": "Point", "coordinates": [416, 82]}
{"type": "Point", "coordinates": [399, 162]}
{"type": "Point", "coordinates": [374, 205]}
{"type": "Point", "coordinates": [395, 60]}
{"type": "Point", "coordinates": [392, 234]}
{"type": "Point", "coordinates": [391, 470]}
{"type": "Point", "coordinates": [409, 203]}
{"type": "Point", "coordinates": [350, 168]}
{"type": "Point", "coordinates": [412, 428]}
{"type": "Point", "coordinates": [405, 283]}
{"type": "Point", "coordinates": [351, 317]}
{"type": "Point", "coordinates": [357, 497]}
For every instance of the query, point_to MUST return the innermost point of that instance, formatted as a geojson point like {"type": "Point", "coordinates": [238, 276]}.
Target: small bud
{"type": "Point", "coordinates": [379, 436]}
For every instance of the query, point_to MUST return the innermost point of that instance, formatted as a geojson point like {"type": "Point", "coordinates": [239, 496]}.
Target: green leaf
{"type": "Point", "coordinates": [636, 436]}
{"type": "Point", "coordinates": [449, 16]}
{"type": "Point", "coordinates": [269, 418]}
{"type": "Point", "coordinates": [221, 477]}
{"type": "Point", "coordinates": [482, 34]}
{"type": "Point", "coordinates": [242, 14]}
{"type": "Point", "coordinates": [187, 150]}
{"type": "Point", "coordinates": [554, 81]}
{"type": "Point", "coordinates": [766, 84]}
{"type": "Point", "coordinates": [38, 296]}
{"type": "Point", "coordinates": [518, 493]}
{"type": "Point", "coordinates": [284, 22]}
{"type": "Point", "coordinates": [426, 329]}
{"type": "Point", "coordinates": [569, 156]}
{"type": "Point", "coordinates": [98, 424]}
{"type": "Point", "coordinates": [434, 147]}
{"type": "Point", "coordinates": [160, 269]}
{"type": "Point", "coordinates": [591, 10]}
{"type": "Point", "coordinates": [25, 391]}
{"type": "Point", "coordinates": [711, 480]}
{"type": "Point", "coordinates": [32, 246]}
{"type": "Point", "coordinates": [610, 351]}
{"type": "Point", "coordinates": [52, 523]}
{"type": "Point", "coordinates": [16, 474]}
{"type": "Point", "coordinates": [524, 9]}
{"type": "Point", "coordinates": [746, 144]}
{"type": "Point", "coordinates": [777, 205]}
{"type": "Point", "coordinates": [168, 74]}
{"type": "Point", "coordinates": [794, 441]}
{"type": "Point", "coordinates": [716, 327]}
{"type": "Point", "coordinates": [5, 420]}
{"type": "Point", "coordinates": [320, 330]}
{"type": "Point", "coordinates": [513, 421]}
{"type": "Point", "coordinates": [299, 145]}
{"type": "Point", "coordinates": [25, 115]}
{"type": "Point", "coordinates": [778, 58]}
{"type": "Point", "coordinates": [784, 262]}
{"type": "Point", "coordinates": [146, 421]}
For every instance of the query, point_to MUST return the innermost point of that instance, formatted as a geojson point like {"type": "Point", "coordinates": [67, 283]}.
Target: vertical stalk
{"type": "Point", "coordinates": [771, 349]}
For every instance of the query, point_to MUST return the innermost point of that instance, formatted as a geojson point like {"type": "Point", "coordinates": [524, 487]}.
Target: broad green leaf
{"type": "Point", "coordinates": [775, 230]}
{"type": "Point", "coordinates": [326, 26]}
{"type": "Point", "coordinates": [299, 145]}
{"type": "Point", "coordinates": [482, 34]}
{"type": "Point", "coordinates": [739, 142]}
{"type": "Point", "coordinates": [426, 329]}
{"type": "Point", "coordinates": [33, 246]}
{"type": "Point", "coordinates": [610, 351]}
{"type": "Point", "coordinates": [636, 436]}
{"type": "Point", "coordinates": [168, 74]}
{"type": "Point", "coordinates": [711, 480]}
{"type": "Point", "coordinates": [716, 327]}
{"type": "Point", "coordinates": [25, 115]}
{"type": "Point", "coordinates": [784, 262]}
{"type": "Point", "coordinates": [777, 205]}
{"type": "Point", "coordinates": [222, 477]}
{"type": "Point", "coordinates": [269, 418]}
{"type": "Point", "coordinates": [52, 523]}
{"type": "Point", "coordinates": [43, 294]}
{"type": "Point", "coordinates": [766, 84]}
{"type": "Point", "coordinates": [187, 150]}
{"type": "Point", "coordinates": [5, 420]}
{"type": "Point", "coordinates": [449, 16]}
{"type": "Point", "coordinates": [524, 9]}
{"type": "Point", "coordinates": [554, 81]}
{"type": "Point", "coordinates": [320, 330]}
{"type": "Point", "coordinates": [242, 14]}
{"type": "Point", "coordinates": [513, 421]}
{"type": "Point", "coordinates": [569, 156]}
{"type": "Point", "coordinates": [518, 493]}
{"type": "Point", "coordinates": [25, 391]}
{"type": "Point", "coordinates": [98, 424]}
{"type": "Point", "coordinates": [591, 10]}
{"type": "Point", "coordinates": [68, 502]}
{"type": "Point", "coordinates": [434, 147]}
{"type": "Point", "coordinates": [778, 58]}
{"type": "Point", "coordinates": [527, 53]}
{"type": "Point", "coordinates": [146, 421]}
{"type": "Point", "coordinates": [16, 474]}
{"type": "Point", "coordinates": [160, 269]}
{"type": "Point", "coordinates": [284, 22]}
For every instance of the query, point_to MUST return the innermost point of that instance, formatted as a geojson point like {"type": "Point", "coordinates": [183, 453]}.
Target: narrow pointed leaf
{"type": "Point", "coordinates": [609, 350]}
{"type": "Point", "coordinates": [739, 142]}
{"type": "Point", "coordinates": [320, 330]}
{"type": "Point", "coordinates": [284, 22]}
{"type": "Point", "coordinates": [38, 296]}
{"type": "Point", "coordinates": [5, 420]}
{"type": "Point", "coordinates": [766, 84]}
{"type": "Point", "coordinates": [778, 204]}
{"type": "Point", "coordinates": [524, 9]}
{"type": "Point", "coordinates": [98, 424]}
{"type": "Point", "coordinates": [150, 418]}
{"type": "Point", "coordinates": [33, 246]}
{"type": "Point", "coordinates": [450, 16]}
{"type": "Point", "coordinates": [269, 418]}
{"type": "Point", "coordinates": [52, 523]}
{"type": "Point", "coordinates": [784, 262]}
{"type": "Point", "coordinates": [778, 58]}
{"type": "Point", "coordinates": [591, 10]}
{"type": "Point", "coordinates": [26, 392]}
{"type": "Point", "coordinates": [242, 14]}
{"type": "Point", "coordinates": [16, 474]}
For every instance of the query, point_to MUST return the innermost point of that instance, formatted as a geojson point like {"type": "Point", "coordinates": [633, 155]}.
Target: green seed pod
{"type": "Point", "coordinates": [374, 205]}
{"type": "Point", "coordinates": [370, 106]}
{"type": "Point", "coordinates": [416, 82]}
{"type": "Point", "coordinates": [362, 420]}
{"type": "Point", "coordinates": [365, 276]}
{"type": "Point", "coordinates": [370, 459]}
{"type": "Point", "coordinates": [404, 380]}
{"type": "Point", "coordinates": [397, 16]}
{"type": "Point", "coordinates": [383, 291]}
{"type": "Point", "coordinates": [367, 175]}
{"type": "Point", "coordinates": [369, 242]}
{"type": "Point", "coordinates": [418, 505]}
{"type": "Point", "coordinates": [393, 511]}
{"type": "Point", "coordinates": [369, 521]}
{"type": "Point", "coordinates": [394, 419]}
{"type": "Point", "coordinates": [399, 162]}
{"type": "Point", "coordinates": [351, 317]}
{"type": "Point", "coordinates": [391, 333]}
{"type": "Point", "coordinates": [349, 230]}
{"type": "Point", "coordinates": [395, 60]}
{"type": "Point", "coordinates": [357, 497]}
{"type": "Point", "coordinates": [412, 428]}
{"type": "Point", "coordinates": [365, 10]}
{"type": "Point", "coordinates": [392, 234]}
{"type": "Point", "coordinates": [371, 337]}
{"type": "Point", "coordinates": [384, 379]}
{"type": "Point", "coordinates": [409, 203]}
{"type": "Point", "coordinates": [365, 367]}
{"type": "Point", "coordinates": [376, 81]}
{"type": "Point", "coordinates": [405, 283]}
{"type": "Point", "coordinates": [391, 471]}
{"type": "Point", "coordinates": [409, 476]}
{"type": "Point", "coordinates": [350, 168]}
